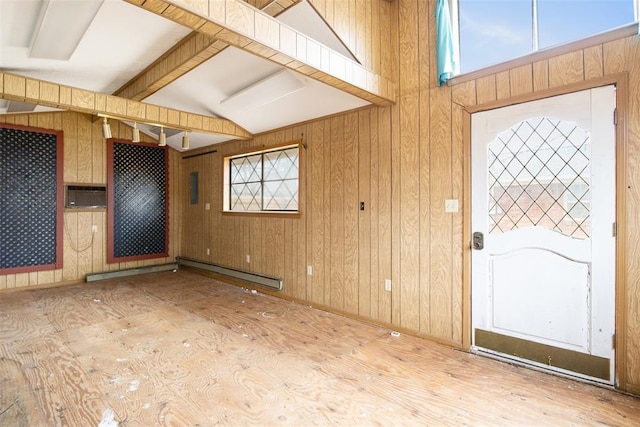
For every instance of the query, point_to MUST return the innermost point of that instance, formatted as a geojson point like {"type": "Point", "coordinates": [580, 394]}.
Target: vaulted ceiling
{"type": "Point", "coordinates": [220, 72]}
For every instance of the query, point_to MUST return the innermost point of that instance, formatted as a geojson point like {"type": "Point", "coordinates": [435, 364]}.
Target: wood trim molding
{"type": "Point", "coordinates": [622, 106]}
{"type": "Point", "coordinates": [33, 91]}
{"type": "Point", "coordinates": [245, 27]}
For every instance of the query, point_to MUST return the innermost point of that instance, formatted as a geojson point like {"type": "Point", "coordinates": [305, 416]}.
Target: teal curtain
{"type": "Point", "coordinates": [446, 50]}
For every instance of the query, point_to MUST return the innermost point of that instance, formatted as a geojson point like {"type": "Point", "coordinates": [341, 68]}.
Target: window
{"type": "Point", "coordinates": [263, 181]}
{"type": "Point", "coordinates": [494, 31]}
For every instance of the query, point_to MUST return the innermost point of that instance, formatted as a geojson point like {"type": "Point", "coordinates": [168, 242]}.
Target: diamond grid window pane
{"type": "Point", "coordinates": [539, 176]}
{"type": "Point", "coordinates": [246, 169]}
{"type": "Point", "coordinates": [265, 181]}
{"type": "Point", "coordinates": [281, 164]}
{"type": "Point", "coordinates": [246, 196]}
{"type": "Point", "coordinates": [281, 195]}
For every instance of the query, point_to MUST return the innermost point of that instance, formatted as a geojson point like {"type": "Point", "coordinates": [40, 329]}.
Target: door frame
{"type": "Point", "coordinates": [620, 80]}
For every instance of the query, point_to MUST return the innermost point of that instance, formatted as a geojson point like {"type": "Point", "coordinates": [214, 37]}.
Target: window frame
{"type": "Point", "coordinates": [632, 28]}
{"type": "Point", "coordinates": [226, 170]}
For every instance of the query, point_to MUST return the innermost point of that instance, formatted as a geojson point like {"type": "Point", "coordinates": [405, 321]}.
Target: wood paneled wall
{"type": "Point", "coordinates": [85, 162]}
{"type": "Point", "coordinates": [403, 161]}
{"type": "Point", "coordinates": [366, 27]}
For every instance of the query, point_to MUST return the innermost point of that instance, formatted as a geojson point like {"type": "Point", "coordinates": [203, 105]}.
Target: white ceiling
{"type": "Point", "coordinates": [122, 40]}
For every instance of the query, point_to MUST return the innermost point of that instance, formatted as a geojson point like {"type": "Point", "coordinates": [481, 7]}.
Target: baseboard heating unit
{"type": "Point", "coordinates": [94, 277]}
{"type": "Point", "coordinates": [258, 279]}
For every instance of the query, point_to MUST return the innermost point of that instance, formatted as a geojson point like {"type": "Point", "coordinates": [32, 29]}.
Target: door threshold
{"type": "Point", "coordinates": [523, 363]}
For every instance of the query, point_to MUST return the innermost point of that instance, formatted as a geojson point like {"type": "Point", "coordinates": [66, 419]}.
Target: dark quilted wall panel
{"type": "Point", "coordinates": [28, 198]}
{"type": "Point", "coordinates": [139, 201]}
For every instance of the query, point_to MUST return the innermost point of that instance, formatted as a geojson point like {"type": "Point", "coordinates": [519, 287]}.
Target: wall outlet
{"type": "Point", "coordinates": [207, 206]}
{"type": "Point", "coordinates": [309, 270]}
{"type": "Point", "coordinates": [387, 285]}
{"type": "Point", "coordinates": [248, 259]}
{"type": "Point", "coordinates": [94, 229]}
{"type": "Point", "coordinates": [451, 205]}
{"type": "Point", "coordinates": [208, 251]}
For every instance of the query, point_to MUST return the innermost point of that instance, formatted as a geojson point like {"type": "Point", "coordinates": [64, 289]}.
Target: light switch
{"type": "Point", "coordinates": [207, 206]}
{"type": "Point", "coordinates": [451, 205]}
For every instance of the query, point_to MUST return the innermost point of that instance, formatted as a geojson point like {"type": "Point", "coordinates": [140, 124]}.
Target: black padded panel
{"type": "Point", "coordinates": [139, 200]}
{"type": "Point", "coordinates": [28, 198]}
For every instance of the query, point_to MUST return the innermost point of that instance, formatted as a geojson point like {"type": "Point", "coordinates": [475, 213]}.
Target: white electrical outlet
{"type": "Point", "coordinates": [248, 259]}
{"type": "Point", "coordinates": [208, 251]}
{"type": "Point", "coordinates": [94, 229]}
{"type": "Point", "coordinates": [309, 270]}
{"type": "Point", "coordinates": [451, 205]}
{"type": "Point", "coordinates": [387, 285]}
{"type": "Point", "coordinates": [207, 206]}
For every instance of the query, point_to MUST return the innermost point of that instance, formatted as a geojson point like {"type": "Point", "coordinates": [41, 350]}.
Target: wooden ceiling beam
{"type": "Point", "coordinates": [240, 25]}
{"type": "Point", "coordinates": [190, 52]}
{"type": "Point", "coordinates": [39, 92]}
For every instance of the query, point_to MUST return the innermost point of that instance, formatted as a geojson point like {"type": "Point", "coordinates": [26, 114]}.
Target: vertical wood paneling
{"type": "Point", "coordinates": [409, 212]}
{"type": "Point", "coordinates": [566, 69]}
{"type": "Point", "coordinates": [409, 58]}
{"type": "Point", "coordinates": [486, 89]}
{"type": "Point", "coordinates": [425, 215]}
{"type": "Point", "coordinates": [316, 149]}
{"type": "Point", "coordinates": [327, 211]}
{"type": "Point", "coordinates": [85, 151]}
{"type": "Point", "coordinates": [336, 199]}
{"type": "Point", "coordinates": [521, 80]}
{"type": "Point", "coordinates": [503, 85]}
{"type": "Point", "coordinates": [365, 195]}
{"type": "Point", "coordinates": [540, 76]}
{"type": "Point", "coordinates": [385, 221]}
{"type": "Point", "coordinates": [351, 212]}
{"type": "Point", "coordinates": [360, 25]}
{"type": "Point", "coordinates": [373, 215]}
{"type": "Point", "coordinates": [593, 62]}
{"type": "Point", "coordinates": [396, 309]}
{"type": "Point", "coordinates": [441, 222]}
{"type": "Point", "coordinates": [457, 184]}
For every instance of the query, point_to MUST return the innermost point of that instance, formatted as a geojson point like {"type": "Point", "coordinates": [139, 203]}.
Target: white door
{"type": "Point", "coordinates": [543, 223]}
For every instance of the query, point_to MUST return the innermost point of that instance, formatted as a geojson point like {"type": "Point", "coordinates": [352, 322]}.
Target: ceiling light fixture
{"type": "Point", "coordinates": [136, 133]}
{"type": "Point", "coordinates": [106, 129]}
{"type": "Point", "coordinates": [162, 138]}
{"type": "Point", "coordinates": [185, 141]}
{"type": "Point", "coordinates": [270, 89]}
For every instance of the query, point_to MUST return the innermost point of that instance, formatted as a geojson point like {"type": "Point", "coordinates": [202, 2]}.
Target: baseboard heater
{"type": "Point", "coordinates": [94, 277]}
{"type": "Point", "coordinates": [258, 279]}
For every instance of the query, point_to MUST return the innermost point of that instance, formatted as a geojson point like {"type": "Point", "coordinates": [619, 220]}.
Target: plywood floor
{"type": "Point", "coordinates": [183, 349]}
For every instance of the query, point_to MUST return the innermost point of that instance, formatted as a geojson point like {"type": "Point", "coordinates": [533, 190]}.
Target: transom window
{"type": "Point", "coordinates": [263, 181]}
{"type": "Point", "coordinates": [495, 31]}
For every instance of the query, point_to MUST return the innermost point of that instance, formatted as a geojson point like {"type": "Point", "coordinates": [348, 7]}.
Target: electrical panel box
{"type": "Point", "coordinates": [85, 197]}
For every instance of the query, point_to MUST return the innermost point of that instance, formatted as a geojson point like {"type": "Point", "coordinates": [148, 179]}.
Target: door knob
{"type": "Point", "coordinates": [478, 241]}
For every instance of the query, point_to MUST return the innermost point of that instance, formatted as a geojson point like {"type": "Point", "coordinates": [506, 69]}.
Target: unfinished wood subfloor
{"type": "Point", "coordinates": [184, 349]}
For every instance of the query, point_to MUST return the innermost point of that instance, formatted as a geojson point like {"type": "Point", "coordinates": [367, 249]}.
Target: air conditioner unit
{"type": "Point", "coordinates": [85, 197]}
